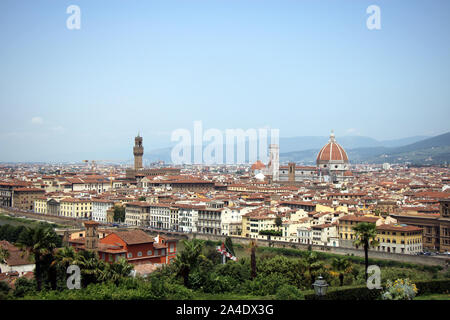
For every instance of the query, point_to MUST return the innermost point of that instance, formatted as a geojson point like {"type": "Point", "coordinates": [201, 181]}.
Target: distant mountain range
{"type": "Point", "coordinates": [417, 149]}
{"type": "Point", "coordinates": [435, 150]}
{"type": "Point", "coordinates": [348, 142]}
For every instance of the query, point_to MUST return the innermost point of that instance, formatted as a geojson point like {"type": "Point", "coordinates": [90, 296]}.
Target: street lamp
{"type": "Point", "coordinates": [320, 286]}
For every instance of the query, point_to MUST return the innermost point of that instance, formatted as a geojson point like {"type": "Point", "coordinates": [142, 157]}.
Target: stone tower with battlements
{"type": "Point", "coordinates": [138, 151]}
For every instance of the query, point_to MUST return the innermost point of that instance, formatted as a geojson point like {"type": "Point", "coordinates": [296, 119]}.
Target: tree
{"type": "Point", "coordinates": [270, 233]}
{"type": "Point", "coordinates": [311, 266]}
{"type": "Point", "coordinates": [4, 255]}
{"type": "Point", "coordinates": [91, 267]}
{"type": "Point", "coordinates": [253, 258]}
{"type": "Point", "coordinates": [342, 266]}
{"type": "Point", "coordinates": [119, 213]}
{"type": "Point", "coordinates": [366, 234]}
{"type": "Point", "coordinates": [229, 245]}
{"type": "Point", "coordinates": [63, 258]}
{"type": "Point", "coordinates": [38, 242]}
{"type": "Point", "coordinates": [142, 198]}
{"type": "Point", "coordinates": [278, 222]}
{"type": "Point", "coordinates": [189, 259]}
{"type": "Point", "coordinates": [116, 271]}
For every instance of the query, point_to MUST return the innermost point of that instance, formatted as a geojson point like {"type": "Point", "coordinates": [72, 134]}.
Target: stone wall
{"type": "Point", "coordinates": [424, 260]}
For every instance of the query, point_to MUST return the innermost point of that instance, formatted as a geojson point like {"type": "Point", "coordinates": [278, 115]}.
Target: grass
{"type": "Point", "coordinates": [14, 221]}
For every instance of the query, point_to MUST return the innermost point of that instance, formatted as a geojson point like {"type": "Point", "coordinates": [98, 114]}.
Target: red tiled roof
{"type": "Point", "coordinates": [134, 236]}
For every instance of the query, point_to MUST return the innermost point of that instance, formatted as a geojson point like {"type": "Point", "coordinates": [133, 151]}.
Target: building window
{"type": "Point", "coordinates": [149, 252]}
{"type": "Point", "coordinates": [130, 255]}
{"type": "Point", "coordinates": [139, 254]}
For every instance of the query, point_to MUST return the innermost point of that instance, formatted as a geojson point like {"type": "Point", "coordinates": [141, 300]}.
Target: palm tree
{"type": "Point", "coordinates": [38, 242]}
{"type": "Point", "coordinates": [64, 257]}
{"type": "Point", "coordinates": [311, 265]}
{"type": "Point", "coordinates": [116, 271]}
{"type": "Point", "coordinates": [189, 259]}
{"type": "Point", "coordinates": [366, 234]}
{"type": "Point", "coordinates": [91, 266]}
{"type": "Point", "coordinates": [342, 266]}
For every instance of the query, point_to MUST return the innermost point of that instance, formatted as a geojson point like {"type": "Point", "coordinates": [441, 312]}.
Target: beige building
{"type": "Point", "coordinates": [76, 208]}
{"type": "Point", "coordinates": [24, 198]}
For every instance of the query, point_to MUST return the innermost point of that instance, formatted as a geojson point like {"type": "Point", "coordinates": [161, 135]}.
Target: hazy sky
{"type": "Point", "coordinates": [305, 67]}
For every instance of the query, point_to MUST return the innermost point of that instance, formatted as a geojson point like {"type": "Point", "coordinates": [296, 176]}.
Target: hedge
{"type": "Point", "coordinates": [274, 233]}
{"type": "Point", "coordinates": [433, 286]}
{"type": "Point", "coordinates": [363, 293]}
{"type": "Point", "coordinates": [348, 293]}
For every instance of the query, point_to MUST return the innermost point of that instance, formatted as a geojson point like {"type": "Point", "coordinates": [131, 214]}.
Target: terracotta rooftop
{"type": "Point", "coordinates": [134, 236]}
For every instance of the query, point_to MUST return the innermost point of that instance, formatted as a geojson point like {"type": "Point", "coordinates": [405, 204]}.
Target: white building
{"type": "Point", "coordinates": [187, 217]}
{"type": "Point", "coordinates": [99, 208]}
{"type": "Point", "coordinates": [325, 235]}
{"type": "Point", "coordinates": [160, 216]}
{"type": "Point", "coordinates": [304, 235]}
{"type": "Point", "coordinates": [17, 260]}
{"type": "Point", "coordinates": [231, 217]}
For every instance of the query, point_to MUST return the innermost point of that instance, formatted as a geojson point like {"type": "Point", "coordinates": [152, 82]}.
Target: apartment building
{"type": "Point", "coordinates": [187, 217]}
{"type": "Point", "coordinates": [24, 197]}
{"type": "Point", "coordinates": [160, 216]}
{"type": "Point", "coordinates": [76, 208]}
{"type": "Point", "coordinates": [397, 238]}
{"type": "Point", "coordinates": [100, 209]}
{"type": "Point", "coordinates": [259, 219]}
{"type": "Point", "coordinates": [137, 213]}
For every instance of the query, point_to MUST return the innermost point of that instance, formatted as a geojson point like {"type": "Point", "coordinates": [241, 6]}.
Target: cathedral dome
{"type": "Point", "coordinates": [258, 165]}
{"type": "Point", "coordinates": [332, 152]}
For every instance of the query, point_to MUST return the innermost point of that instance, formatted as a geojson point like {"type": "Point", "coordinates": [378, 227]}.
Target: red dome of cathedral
{"type": "Point", "coordinates": [332, 151]}
{"type": "Point", "coordinates": [258, 165]}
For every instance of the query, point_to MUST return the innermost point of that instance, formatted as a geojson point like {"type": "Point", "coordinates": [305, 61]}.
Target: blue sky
{"type": "Point", "coordinates": [304, 67]}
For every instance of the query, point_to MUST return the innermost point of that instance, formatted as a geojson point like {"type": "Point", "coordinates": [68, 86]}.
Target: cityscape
{"type": "Point", "coordinates": [179, 162]}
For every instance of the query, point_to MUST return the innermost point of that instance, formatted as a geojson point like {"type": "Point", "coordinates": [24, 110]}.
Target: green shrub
{"type": "Point", "coordinates": [288, 292]}
{"type": "Point", "coordinates": [217, 283]}
{"type": "Point", "coordinates": [265, 285]}
{"type": "Point", "coordinates": [400, 289]}
{"type": "Point", "coordinates": [274, 233]}
{"type": "Point", "coordinates": [179, 292]}
{"type": "Point", "coordinates": [23, 287]}
{"type": "Point", "coordinates": [4, 289]}
{"type": "Point", "coordinates": [238, 270]}
{"type": "Point", "coordinates": [433, 286]}
{"type": "Point", "coordinates": [348, 293]}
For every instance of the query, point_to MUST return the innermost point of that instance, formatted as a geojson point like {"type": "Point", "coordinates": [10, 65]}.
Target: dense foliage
{"type": "Point", "coordinates": [198, 272]}
{"type": "Point", "coordinates": [119, 214]}
{"type": "Point", "coordinates": [273, 233]}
